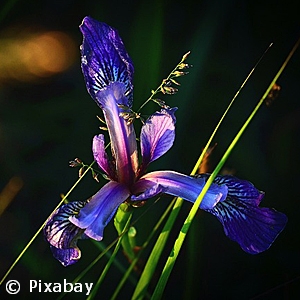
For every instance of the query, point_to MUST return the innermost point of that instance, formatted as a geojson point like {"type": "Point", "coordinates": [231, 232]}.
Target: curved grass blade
{"type": "Point", "coordinates": [42, 226]}
{"type": "Point", "coordinates": [158, 292]}
{"type": "Point", "coordinates": [151, 264]}
{"type": "Point", "coordinates": [145, 244]}
{"type": "Point", "coordinates": [89, 267]}
{"type": "Point", "coordinates": [192, 255]}
{"type": "Point", "coordinates": [109, 263]}
{"type": "Point", "coordinates": [196, 167]}
{"type": "Point", "coordinates": [104, 252]}
{"type": "Point", "coordinates": [145, 279]}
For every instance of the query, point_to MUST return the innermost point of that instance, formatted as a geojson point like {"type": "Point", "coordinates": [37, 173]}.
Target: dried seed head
{"type": "Point", "coordinates": [182, 66]}
{"type": "Point", "coordinates": [174, 81]}
{"type": "Point", "coordinates": [125, 115]}
{"type": "Point", "coordinates": [179, 73]}
{"type": "Point", "coordinates": [185, 56]}
{"type": "Point", "coordinates": [95, 175]}
{"type": "Point", "coordinates": [138, 203]}
{"type": "Point", "coordinates": [273, 94]}
{"type": "Point", "coordinates": [81, 171]}
{"type": "Point", "coordinates": [170, 90]}
{"type": "Point", "coordinates": [75, 163]}
{"type": "Point", "coordinates": [161, 103]}
{"type": "Point", "coordinates": [101, 120]}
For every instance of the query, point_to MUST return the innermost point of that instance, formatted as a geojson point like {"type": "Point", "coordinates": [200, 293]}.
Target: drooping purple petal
{"type": "Point", "coordinates": [122, 135]}
{"type": "Point", "coordinates": [101, 157]}
{"type": "Point", "coordinates": [254, 228]}
{"type": "Point", "coordinates": [66, 257]}
{"type": "Point", "coordinates": [104, 58]}
{"type": "Point", "coordinates": [176, 184]}
{"type": "Point", "coordinates": [63, 235]}
{"type": "Point", "coordinates": [157, 135]}
{"type": "Point", "coordinates": [100, 209]}
{"type": "Point", "coordinates": [238, 188]}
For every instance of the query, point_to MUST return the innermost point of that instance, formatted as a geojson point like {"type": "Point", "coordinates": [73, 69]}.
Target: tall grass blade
{"type": "Point", "coordinates": [42, 226]}
{"type": "Point", "coordinates": [145, 244]}
{"type": "Point", "coordinates": [153, 259]}
{"type": "Point", "coordinates": [109, 263]}
{"type": "Point", "coordinates": [158, 292]}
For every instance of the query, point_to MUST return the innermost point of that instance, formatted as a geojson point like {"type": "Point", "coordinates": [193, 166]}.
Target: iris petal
{"type": "Point", "coordinates": [63, 235]}
{"type": "Point", "coordinates": [157, 135]}
{"type": "Point", "coordinates": [100, 155]}
{"type": "Point", "coordinates": [150, 192]}
{"type": "Point", "coordinates": [122, 135]}
{"type": "Point", "coordinates": [238, 188]}
{"type": "Point", "coordinates": [254, 228]}
{"type": "Point", "coordinates": [100, 209]}
{"type": "Point", "coordinates": [176, 184]}
{"type": "Point", "coordinates": [66, 257]}
{"type": "Point", "coordinates": [104, 58]}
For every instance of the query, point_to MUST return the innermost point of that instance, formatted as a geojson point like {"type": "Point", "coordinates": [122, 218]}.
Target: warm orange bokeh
{"type": "Point", "coordinates": [35, 55]}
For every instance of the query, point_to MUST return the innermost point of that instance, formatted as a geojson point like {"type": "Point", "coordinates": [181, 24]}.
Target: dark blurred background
{"type": "Point", "coordinates": [47, 118]}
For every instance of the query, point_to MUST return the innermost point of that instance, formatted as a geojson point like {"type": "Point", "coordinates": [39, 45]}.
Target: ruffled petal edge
{"type": "Point", "coordinates": [157, 135]}
{"type": "Point", "coordinates": [63, 235]}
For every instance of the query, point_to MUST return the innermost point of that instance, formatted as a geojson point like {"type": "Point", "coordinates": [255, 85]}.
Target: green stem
{"type": "Point", "coordinates": [145, 244]}
{"type": "Point", "coordinates": [122, 217]}
{"type": "Point", "coordinates": [109, 263]}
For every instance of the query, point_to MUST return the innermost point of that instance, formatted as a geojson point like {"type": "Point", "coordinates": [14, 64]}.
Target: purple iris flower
{"type": "Point", "coordinates": [108, 73]}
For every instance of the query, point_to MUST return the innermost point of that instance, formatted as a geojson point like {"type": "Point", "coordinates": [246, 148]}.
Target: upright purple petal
{"type": "Point", "coordinates": [104, 58]}
{"type": "Point", "coordinates": [63, 235]}
{"type": "Point", "coordinates": [176, 184]}
{"type": "Point", "coordinates": [122, 135]}
{"type": "Point", "coordinates": [254, 228]}
{"type": "Point", "coordinates": [100, 156]}
{"type": "Point", "coordinates": [157, 135]}
{"type": "Point", "coordinates": [100, 209]}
